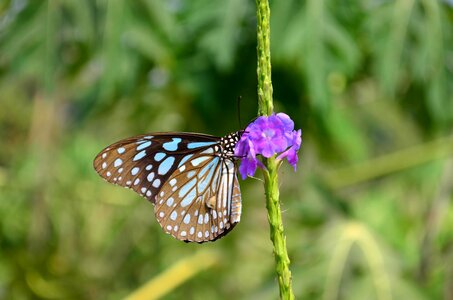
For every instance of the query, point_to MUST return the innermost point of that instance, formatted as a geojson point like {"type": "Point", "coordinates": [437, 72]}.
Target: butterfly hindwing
{"type": "Point", "coordinates": [201, 200]}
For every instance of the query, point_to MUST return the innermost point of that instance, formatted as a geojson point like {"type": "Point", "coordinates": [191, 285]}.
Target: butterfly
{"type": "Point", "coordinates": [190, 178]}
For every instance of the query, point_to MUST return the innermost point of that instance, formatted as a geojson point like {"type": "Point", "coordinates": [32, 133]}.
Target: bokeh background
{"type": "Point", "coordinates": [368, 213]}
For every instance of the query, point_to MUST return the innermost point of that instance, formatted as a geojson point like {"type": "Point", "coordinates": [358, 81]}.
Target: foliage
{"type": "Point", "coordinates": [370, 83]}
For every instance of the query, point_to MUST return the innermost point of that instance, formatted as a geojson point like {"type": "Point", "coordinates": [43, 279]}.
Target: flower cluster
{"type": "Point", "coordinates": [267, 136]}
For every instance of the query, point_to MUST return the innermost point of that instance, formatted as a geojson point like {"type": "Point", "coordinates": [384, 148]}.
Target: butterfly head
{"type": "Point", "coordinates": [228, 143]}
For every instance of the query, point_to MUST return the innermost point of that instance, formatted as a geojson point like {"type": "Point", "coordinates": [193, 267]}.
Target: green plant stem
{"type": "Point", "coordinates": [276, 228]}
{"type": "Point", "coordinates": [265, 103]}
{"type": "Point", "coordinates": [266, 107]}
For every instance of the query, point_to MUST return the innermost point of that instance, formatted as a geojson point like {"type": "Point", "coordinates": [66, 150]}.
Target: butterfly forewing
{"type": "Point", "coordinates": [143, 163]}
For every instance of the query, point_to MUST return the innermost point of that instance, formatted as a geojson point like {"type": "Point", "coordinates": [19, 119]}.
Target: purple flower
{"type": "Point", "coordinates": [291, 153]}
{"type": "Point", "coordinates": [268, 136]}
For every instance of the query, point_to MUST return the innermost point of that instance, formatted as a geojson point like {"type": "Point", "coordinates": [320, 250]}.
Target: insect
{"type": "Point", "coordinates": [190, 178]}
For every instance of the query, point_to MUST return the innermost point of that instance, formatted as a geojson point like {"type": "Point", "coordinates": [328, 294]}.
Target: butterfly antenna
{"type": "Point", "coordinates": [239, 111]}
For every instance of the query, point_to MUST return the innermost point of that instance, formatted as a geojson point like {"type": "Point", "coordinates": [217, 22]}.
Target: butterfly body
{"type": "Point", "coordinates": [190, 178]}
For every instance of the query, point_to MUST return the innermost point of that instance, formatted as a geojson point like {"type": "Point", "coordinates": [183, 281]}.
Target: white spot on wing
{"type": "Point", "coordinates": [159, 156]}
{"type": "Point", "coordinates": [166, 165]}
{"type": "Point", "coordinates": [183, 161]}
{"type": "Point", "coordinates": [143, 145]}
{"type": "Point", "coordinates": [199, 144]}
{"type": "Point", "coordinates": [135, 170]}
{"type": "Point", "coordinates": [118, 162]}
{"type": "Point", "coordinates": [173, 145]}
{"type": "Point", "coordinates": [187, 219]}
{"type": "Point", "coordinates": [150, 176]}
{"type": "Point", "coordinates": [139, 155]}
{"type": "Point", "coordinates": [187, 187]}
{"type": "Point", "coordinates": [156, 183]}
{"type": "Point", "coordinates": [208, 151]}
{"type": "Point", "coordinates": [195, 162]}
{"type": "Point", "coordinates": [189, 198]}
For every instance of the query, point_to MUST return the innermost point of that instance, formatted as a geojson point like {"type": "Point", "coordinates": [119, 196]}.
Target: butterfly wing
{"type": "Point", "coordinates": [143, 163]}
{"type": "Point", "coordinates": [201, 200]}
{"type": "Point", "coordinates": [191, 182]}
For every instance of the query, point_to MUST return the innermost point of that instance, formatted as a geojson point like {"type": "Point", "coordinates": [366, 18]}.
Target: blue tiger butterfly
{"type": "Point", "coordinates": [190, 178]}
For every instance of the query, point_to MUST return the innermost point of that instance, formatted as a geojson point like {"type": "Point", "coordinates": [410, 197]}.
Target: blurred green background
{"type": "Point", "coordinates": [368, 214]}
